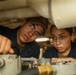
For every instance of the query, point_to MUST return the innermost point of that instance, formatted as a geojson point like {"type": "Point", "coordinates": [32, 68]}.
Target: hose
{"type": "Point", "coordinates": [30, 71]}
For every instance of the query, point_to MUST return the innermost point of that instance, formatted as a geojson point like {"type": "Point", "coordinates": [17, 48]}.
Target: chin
{"type": "Point", "coordinates": [60, 51]}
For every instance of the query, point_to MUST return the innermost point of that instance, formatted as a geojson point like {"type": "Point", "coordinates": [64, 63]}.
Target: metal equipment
{"type": "Point", "coordinates": [45, 67]}
{"type": "Point", "coordinates": [10, 64]}
{"type": "Point", "coordinates": [14, 65]}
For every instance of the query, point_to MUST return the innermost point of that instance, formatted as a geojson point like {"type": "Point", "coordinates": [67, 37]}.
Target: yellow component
{"type": "Point", "coordinates": [45, 70]}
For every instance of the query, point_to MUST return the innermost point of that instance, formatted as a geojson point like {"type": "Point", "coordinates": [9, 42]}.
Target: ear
{"type": "Point", "coordinates": [73, 37]}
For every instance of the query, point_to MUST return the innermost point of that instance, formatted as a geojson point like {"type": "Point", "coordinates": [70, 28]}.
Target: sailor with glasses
{"type": "Point", "coordinates": [63, 48]}
{"type": "Point", "coordinates": [21, 40]}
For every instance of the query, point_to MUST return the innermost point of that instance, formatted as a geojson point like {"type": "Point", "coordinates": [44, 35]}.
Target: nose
{"type": "Point", "coordinates": [58, 41]}
{"type": "Point", "coordinates": [31, 33]}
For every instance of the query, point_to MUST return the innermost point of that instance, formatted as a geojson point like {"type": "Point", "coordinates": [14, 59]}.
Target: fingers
{"type": "Point", "coordinates": [2, 43]}
{"type": "Point", "coordinates": [11, 51]}
{"type": "Point", "coordinates": [5, 45]}
{"type": "Point", "coordinates": [54, 60]}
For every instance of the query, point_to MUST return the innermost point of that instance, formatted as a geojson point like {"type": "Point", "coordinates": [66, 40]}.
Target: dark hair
{"type": "Point", "coordinates": [69, 30]}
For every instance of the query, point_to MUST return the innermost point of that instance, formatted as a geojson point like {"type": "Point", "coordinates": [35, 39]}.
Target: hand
{"type": "Point", "coordinates": [5, 45]}
{"type": "Point", "coordinates": [54, 60]}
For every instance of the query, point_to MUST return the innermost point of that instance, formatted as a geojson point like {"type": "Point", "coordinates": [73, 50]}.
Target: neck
{"type": "Point", "coordinates": [20, 43]}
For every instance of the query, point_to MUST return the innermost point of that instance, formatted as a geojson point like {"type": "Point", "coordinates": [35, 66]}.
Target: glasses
{"type": "Point", "coordinates": [61, 38]}
{"type": "Point", "coordinates": [31, 28]}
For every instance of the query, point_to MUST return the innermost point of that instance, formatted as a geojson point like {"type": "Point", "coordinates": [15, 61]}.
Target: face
{"type": "Point", "coordinates": [29, 32]}
{"type": "Point", "coordinates": [61, 39]}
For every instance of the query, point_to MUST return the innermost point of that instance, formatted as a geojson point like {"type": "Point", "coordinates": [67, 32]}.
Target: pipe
{"type": "Point", "coordinates": [59, 12]}
{"type": "Point", "coordinates": [31, 71]}
{"type": "Point", "coordinates": [40, 6]}
{"type": "Point", "coordinates": [12, 4]}
{"type": "Point", "coordinates": [63, 13]}
{"type": "Point", "coordinates": [14, 8]}
{"type": "Point", "coordinates": [18, 13]}
{"type": "Point", "coordinates": [39, 70]}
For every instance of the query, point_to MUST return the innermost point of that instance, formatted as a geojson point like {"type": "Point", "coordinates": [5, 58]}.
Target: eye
{"type": "Point", "coordinates": [37, 33]}
{"type": "Point", "coordinates": [62, 37]}
{"type": "Point", "coordinates": [32, 26]}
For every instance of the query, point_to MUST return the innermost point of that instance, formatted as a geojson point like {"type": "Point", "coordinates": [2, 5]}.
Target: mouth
{"type": "Point", "coordinates": [25, 37]}
{"type": "Point", "coordinates": [59, 48]}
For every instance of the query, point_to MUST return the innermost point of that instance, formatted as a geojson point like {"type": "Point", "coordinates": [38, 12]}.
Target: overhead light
{"type": "Point", "coordinates": [43, 39]}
